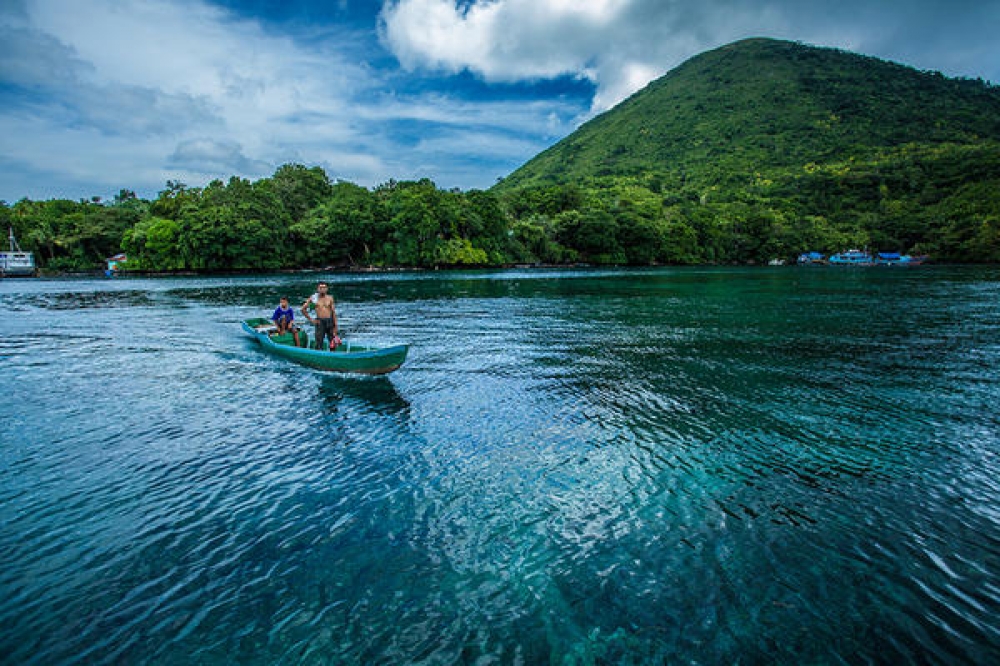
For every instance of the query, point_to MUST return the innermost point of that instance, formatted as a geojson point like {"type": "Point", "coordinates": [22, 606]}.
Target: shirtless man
{"type": "Point", "coordinates": [326, 316]}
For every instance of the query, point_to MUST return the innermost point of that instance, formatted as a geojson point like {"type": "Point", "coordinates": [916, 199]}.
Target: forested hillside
{"type": "Point", "coordinates": [762, 103]}
{"type": "Point", "coordinates": [761, 149]}
{"type": "Point", "coordinates": [764, 148]}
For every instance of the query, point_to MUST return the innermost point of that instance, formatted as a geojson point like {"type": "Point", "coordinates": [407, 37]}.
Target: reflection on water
{"type": "Point", "coordinates": [656, 466]}
{"type": "Point", "coordinates": [375, 394]}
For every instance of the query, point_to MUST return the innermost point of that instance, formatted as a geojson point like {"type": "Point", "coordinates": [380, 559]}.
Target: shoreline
{"type": "Point", "coordinates": [353, 270]}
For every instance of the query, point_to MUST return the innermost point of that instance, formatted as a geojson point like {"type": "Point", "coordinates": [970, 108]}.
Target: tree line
{"type": "Point", "coordinates": [914, 199]}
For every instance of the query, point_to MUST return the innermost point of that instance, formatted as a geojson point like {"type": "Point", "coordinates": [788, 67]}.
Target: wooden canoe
{"type": "Point", "coordinates": [346, 358]}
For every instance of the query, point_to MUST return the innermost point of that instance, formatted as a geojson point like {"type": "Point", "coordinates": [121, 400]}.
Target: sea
{"type": "Point", "coordinates": [787, 465]}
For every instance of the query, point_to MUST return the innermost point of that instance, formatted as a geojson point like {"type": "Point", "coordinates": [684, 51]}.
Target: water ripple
{"type": "Point", "coordinates": [705, 466]}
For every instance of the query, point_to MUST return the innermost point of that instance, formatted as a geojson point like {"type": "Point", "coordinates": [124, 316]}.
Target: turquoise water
{"type": "Point", "coordinates": [663, 466]}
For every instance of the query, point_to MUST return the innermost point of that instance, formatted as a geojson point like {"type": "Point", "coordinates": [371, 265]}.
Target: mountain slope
{"type": "Point", "coordinates": [762, 104]}
{"type": "Point", "coordinates": [763, 149]}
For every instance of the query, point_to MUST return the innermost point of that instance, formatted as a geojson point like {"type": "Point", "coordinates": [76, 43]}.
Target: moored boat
{"type": "Point", "coordinates": [811, 259]}
{"type": "Point", "coordinates": [16, 262]}
{"type": "Point", "coordinates": [346, 358]}
{"type": "Point", "coordinates": [897, 259]}
{"type": "Point", "coordinates": [852, 258]}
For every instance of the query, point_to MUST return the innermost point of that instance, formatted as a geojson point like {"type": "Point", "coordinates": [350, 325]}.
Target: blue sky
{"type": "Point", "coordinates": [102, 95]}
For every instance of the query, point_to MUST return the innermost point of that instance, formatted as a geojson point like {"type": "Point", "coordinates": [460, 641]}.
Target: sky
{"type": "Point", "coordinates": [105, 95]}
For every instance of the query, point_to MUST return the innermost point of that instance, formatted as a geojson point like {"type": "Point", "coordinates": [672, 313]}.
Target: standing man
{"type": "Point", "coordinates": [326, 316]}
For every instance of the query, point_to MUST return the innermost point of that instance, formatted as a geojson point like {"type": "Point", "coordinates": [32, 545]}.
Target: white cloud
{"type": "Point", "coordinates": [504, 40]}
{"type": "Point", "coordinates": [151, 80]}
{"type": "Point", "coordinates": [75, 162]}
{"type": "Point", "coordinates": [130, 93]}
{"type": "Point", "coordinates": [521, 117]}
{"type": "Point", "coordinates": [208, 156]}
{"type": "Point", "coordinates": [621, 45]}
{"type": "Point", "coordinates": [190, 50]}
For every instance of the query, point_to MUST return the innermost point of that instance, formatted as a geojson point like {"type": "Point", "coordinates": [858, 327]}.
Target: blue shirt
{"type": "Point", "coordinates": [279, 314]}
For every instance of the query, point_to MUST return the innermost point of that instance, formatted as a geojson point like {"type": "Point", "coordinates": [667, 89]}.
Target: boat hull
{"type": "Point", "coordinates": [346, 359]}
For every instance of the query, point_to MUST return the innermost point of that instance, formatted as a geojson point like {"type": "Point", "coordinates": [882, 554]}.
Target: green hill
{"type": "Point", "coordinates": [831, 147]}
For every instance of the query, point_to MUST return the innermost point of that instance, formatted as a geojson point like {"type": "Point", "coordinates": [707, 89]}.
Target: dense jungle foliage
{"type": "Point", "coordinates": [762, 149]}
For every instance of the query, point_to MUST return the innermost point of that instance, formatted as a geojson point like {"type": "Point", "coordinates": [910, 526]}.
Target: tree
{"type": "Point", "coordinates": [342, 228]}
{"type": "Point", "coordinates": [171, 200]}
{"type": "Point", "coordinates": [641, 238]}
{"type": "Point", "coordinates": [300, 189]}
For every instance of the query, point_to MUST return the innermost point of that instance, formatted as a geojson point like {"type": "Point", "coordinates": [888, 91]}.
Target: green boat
{"type": "Point", "coordinates": [345, 358]}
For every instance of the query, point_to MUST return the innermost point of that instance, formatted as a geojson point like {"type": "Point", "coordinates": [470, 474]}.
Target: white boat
{"type": "Point", "coordinates": [16, 262]}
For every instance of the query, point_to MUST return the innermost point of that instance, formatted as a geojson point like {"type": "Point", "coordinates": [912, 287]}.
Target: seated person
{"type": "Point", "coordinates": [284, 320]}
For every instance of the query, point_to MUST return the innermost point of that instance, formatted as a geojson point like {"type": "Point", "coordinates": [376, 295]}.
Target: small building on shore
{"type": "Point", "coordinates": [116, 263]}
